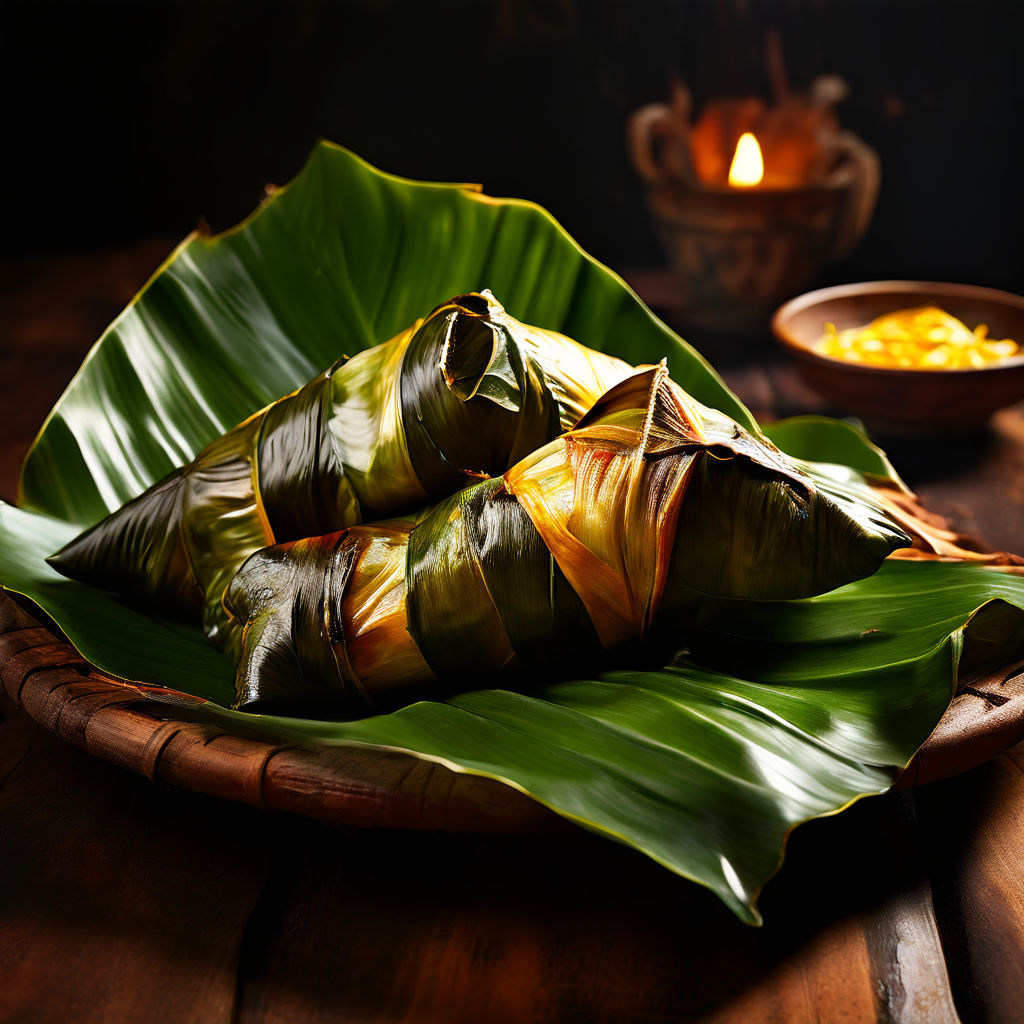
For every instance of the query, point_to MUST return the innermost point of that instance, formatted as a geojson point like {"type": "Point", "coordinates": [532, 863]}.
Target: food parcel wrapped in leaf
{"type": "Point", "coordinates": [598, 538]}
{"type": "Point", "coordinates": [465, 393]}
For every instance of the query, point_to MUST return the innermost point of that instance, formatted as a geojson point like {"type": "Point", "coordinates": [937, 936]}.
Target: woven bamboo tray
{"type": "Point", "coordinates": [45, 676]}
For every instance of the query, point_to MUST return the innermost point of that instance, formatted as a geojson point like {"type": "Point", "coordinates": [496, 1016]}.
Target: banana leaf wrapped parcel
{"type": "Point", "coordinates": [464, 393]}
{"type": "Point", "coordinates": [601, 537]}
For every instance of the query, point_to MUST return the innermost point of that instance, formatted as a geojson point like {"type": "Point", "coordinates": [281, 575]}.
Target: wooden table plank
{"type": "Point", "coordinates": [118, 901]}
{"type": "Point", "coordinates": [464, 929]}
{"type": "Point", "coordinates": [974, 831]}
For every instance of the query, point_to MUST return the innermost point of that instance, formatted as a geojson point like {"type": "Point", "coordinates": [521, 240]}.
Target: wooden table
{"type": "Point", "coordinates": [123, 901]}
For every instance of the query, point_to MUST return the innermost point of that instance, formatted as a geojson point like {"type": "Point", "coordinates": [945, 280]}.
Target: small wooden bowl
{"type": "Point", "coordinates": [899, 401]}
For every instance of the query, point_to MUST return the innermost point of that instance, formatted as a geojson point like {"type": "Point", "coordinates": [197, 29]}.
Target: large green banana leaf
{"type": "Point", "coordinates": [783, 712]}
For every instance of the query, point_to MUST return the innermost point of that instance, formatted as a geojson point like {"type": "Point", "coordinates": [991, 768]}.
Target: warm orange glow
{"type": "Point", "coordinates": [923, 338]}
{"type": "Point", "coordinates": [747, 166]}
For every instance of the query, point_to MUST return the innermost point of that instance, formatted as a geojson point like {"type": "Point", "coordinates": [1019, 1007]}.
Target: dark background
{"type": "Point", "coordinates": [124, 120]}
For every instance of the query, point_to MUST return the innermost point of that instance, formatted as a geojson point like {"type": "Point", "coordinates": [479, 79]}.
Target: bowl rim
{"type": "Point", "coordinates": [938, 288]}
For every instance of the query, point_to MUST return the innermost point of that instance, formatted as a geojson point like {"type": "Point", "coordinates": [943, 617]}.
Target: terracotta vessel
{"type": "Point", "coordinates": [739, 252]}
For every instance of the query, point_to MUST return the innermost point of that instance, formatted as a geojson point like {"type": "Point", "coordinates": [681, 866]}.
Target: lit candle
{"type": "Point", "coordinates": [747, 168]}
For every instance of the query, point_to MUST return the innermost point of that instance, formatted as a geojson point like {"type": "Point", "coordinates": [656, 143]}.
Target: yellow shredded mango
{"type": "Point", "coordinates": [923, 338]}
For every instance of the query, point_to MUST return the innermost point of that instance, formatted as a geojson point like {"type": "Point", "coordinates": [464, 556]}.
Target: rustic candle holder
{"type": "Point", "coordinates": [739, 252]}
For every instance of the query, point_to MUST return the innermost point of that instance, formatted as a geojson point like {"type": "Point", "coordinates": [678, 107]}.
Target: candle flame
{"type": "Point", "coordinates": [747, 164]}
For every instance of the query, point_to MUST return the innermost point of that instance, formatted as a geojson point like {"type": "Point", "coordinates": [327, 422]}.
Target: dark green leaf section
{"type": "Point", "coordinates": [302, 484]}
{"type": "Point", "coordinates": [785, 711]}
{"type": "Point", "coordinates": [512, 599]}
{"type": "Point", "coordinates": [287, 656]}
{"type": "Point", "coordinates": [744, 532]}
{"type": "Point", "coordinates": [139, 551]}
{"type": "Point", "coordinates": [496, 407]}
{"type": "Point", "coordinates": [344, 256]}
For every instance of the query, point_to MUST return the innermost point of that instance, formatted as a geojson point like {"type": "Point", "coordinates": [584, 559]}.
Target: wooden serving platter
{"type": "Point", "coordinates": [45, 676]}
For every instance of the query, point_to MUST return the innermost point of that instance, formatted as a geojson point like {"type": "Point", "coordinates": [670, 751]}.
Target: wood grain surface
{"type": "Point", "coordinates": [125, 899]}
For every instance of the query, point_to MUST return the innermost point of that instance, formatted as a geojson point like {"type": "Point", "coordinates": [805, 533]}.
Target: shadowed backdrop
{"type": "Point", "coordinates": [125, 120]}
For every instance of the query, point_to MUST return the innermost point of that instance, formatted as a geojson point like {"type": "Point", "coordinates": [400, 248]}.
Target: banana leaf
{"type": "Point", "coordinates": [777, 713]}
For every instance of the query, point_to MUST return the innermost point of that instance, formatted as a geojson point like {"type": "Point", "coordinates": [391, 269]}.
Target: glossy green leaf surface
{"type": "Point", "coordinates": [782, 712]}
